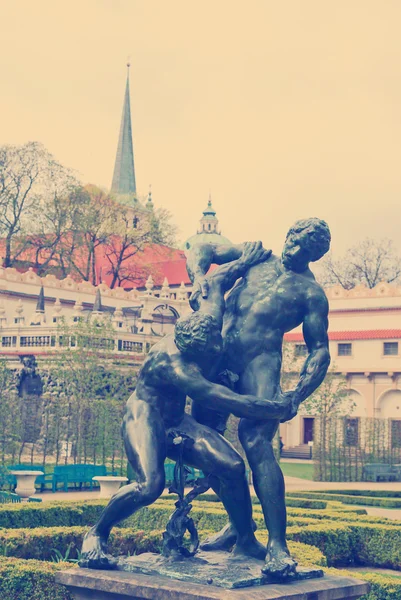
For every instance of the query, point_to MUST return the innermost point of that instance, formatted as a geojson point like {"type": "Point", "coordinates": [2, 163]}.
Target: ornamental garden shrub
{"type": "Point", "coordinates": [337, 536]}
{"type": "Point", "coordinates": [368, 500]}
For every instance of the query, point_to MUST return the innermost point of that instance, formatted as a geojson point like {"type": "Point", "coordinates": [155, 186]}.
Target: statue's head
{"type": "Point", "coordinates": [198, 334]}
{"type": "Point", "coordinates": [307, 241]}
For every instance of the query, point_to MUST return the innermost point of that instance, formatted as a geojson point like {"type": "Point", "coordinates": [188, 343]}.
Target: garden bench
{"type": "Point", "coordinates": [76, 474]}
{"type": "Point", "coordinates": [192, 475]}
{"type": "Point", "coordinates": [379, 471]}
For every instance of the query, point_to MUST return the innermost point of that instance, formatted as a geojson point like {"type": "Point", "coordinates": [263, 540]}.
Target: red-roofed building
{"type": "Point", "coordinates": [365, 347]}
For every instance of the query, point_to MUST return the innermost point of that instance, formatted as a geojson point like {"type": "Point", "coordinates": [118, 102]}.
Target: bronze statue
{"type": "Point", "coordinates": [272, 298]}
{"type": "Point", "coordinates": [182, 365]}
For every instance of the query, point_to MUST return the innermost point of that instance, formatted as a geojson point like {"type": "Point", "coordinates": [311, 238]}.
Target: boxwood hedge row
{"type": "Point", "coordinates": [367, 500]}
{"type": "Point", "coordinates": [342, 535]}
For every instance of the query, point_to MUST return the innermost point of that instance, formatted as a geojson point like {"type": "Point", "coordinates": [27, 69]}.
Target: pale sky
{"type": "Point", "coordinates": [284, 109]}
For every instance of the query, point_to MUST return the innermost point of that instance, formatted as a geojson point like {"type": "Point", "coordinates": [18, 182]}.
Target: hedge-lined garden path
{"type": "Point", "coordinates": [292, 484]}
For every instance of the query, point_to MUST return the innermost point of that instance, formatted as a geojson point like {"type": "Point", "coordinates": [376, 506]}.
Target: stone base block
{"type": "Point", "coordinates": [88, 584]}
{"type": "Point", "coordinates": [210, 568]}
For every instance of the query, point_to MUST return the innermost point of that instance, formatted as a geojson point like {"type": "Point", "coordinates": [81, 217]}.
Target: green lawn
{"type": "Point", "coordinates": [301, 470]}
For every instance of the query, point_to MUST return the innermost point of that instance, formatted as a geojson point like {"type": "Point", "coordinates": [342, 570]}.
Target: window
{"type": "Point", "coordinates": [390, 348]}
{"type": "Point", "coordinates": [128, 346]}
{"type": "Point", "coordinates": [301, 350]}
{"type": "Point", "coordinates": [351, 432]}
{"type": "Point", "coordinates": [344, 349]}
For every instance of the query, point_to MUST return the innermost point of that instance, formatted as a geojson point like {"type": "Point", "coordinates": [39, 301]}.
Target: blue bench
{"type": "Point", "coordinates": [192, 475]}
{"type": "Point", "coordinates": [76, 474]}
{"type": "Point", "coordinates": [380, 472]}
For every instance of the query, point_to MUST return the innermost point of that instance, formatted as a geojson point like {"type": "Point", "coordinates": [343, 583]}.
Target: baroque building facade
{"type": "Point", "coordinates": [364, 333]}
{"type": "Point", "coordinates": [365, 348]}
{"type": "Point", "coordinates": [32, 308]}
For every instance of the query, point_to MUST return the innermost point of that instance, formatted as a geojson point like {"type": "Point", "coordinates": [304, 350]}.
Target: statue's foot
{"type": "Point", "coordinates": [223, 540]}
{"type": "Point", "coordinates": [251, 549]}
{"type": "Point", "coordinates": [94, 554]}
{"type": "Point", "coordinates": [279, 563]}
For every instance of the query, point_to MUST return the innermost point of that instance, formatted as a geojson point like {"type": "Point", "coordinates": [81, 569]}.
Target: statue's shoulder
{"type": "Point", "coordinates": [160, 355]}
{"type": "Point", "coordinates": [316, 295]}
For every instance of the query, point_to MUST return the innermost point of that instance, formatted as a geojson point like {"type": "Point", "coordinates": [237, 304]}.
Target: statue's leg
{"type": "Point", "coordinates": [216, 457]}
{"type": "Point", "coordinates": [145, 444]}
{"type": "Point", "coordinates": [261, 379]}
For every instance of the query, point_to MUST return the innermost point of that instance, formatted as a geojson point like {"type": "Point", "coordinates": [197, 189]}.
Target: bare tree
{"type": "Point", "coordinates": [94, 216]}
{"type": "Point", "coordinates": [131, 235]}
{"type": "Point", "coordinates": [51, 223]}
{"type": "Point", "coordinates": [20, 170]}
{"type": "Point", "coordinates": [30, 178]}
{"type": "Point", "coordinates": [369, 263]}
{"type": "Point", "coordinates": [48, 220]}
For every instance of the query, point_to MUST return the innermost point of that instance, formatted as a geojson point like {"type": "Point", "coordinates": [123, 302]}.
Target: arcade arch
{"type": "Point", "coordinates": [357, 402]}
{"type": "Point", "coordinates": [389, 405]}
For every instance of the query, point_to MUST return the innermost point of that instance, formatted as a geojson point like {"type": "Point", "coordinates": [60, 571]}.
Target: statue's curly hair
{"type": "Point", "coordinates": [191, 333]}
{"type": "Point", "coordinates": [319, 236]}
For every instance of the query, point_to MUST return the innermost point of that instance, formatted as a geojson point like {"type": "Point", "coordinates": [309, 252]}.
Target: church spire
{"type": "Point", "coordinates": [124, 171]}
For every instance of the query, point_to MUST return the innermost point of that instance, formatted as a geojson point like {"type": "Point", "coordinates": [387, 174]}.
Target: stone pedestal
{"type": "Point", "coordinates": [109, 485]}
{"type": "Point", "coordinates": [26, 482]}
{"type": "Point", "coordinates": [88, 584]}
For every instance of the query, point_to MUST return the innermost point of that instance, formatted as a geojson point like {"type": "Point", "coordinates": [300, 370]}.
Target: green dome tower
{"type": "Point", "coordinates": [209, 232]}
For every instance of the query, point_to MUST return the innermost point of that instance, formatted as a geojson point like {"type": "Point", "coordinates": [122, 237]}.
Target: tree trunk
{"type": "Point", "coordinates": [7, 258]}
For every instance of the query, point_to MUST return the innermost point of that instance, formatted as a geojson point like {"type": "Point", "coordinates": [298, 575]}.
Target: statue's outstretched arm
{"type": "Point", "coordinates": [201, 257]}
{"type": "Point", "coordinates": [315, 328]}
{"type": "Point", "coordinates": [191, 381]}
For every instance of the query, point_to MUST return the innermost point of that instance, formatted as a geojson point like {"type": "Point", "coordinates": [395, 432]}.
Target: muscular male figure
{"type": "Point", "coordinates": [177, 367]}
{"type": "Point", "coordinates": [272, 298]}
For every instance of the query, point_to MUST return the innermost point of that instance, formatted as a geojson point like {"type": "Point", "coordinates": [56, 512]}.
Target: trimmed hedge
{"type": "Point", "coordinates": [383, 587]}
{"type": "Point", "coordinates": [345, 537]}
{"type": "Point", "coordinates": [44, 542]}
{"type": "Point", "coordinates": [294, 516]}
{"type": "Point", "coordinates": [350, 544]}
{"type": "Point", "coordinates": [72, 514]}
{"type": "Point", "coordinates": [342, 542]}
{"type": "Point", "coordinates": [40, 543]}
{"type": "Point", "coordinates": [31, 580]}
{"type": "Point", "coordinates": [348, 499]}
{"type": "Point", "coordinates": [51, 514]}
{"type": "Point", "coordinates": [290, 501]}
{"type": "Point", "coordinates": [372, 493]}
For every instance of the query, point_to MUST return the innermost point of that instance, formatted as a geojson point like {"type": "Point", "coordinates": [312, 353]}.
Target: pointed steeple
{"type": "Point", "coordinates": [38, 317]}
{"type": "Point", "coordinates": [97, 306]}
{"type": "Point", "coordinates": [40, 306]}
{"type": "Point", "coordinates": [124, 171]}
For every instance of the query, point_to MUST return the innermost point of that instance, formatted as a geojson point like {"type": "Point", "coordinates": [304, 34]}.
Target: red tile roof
{"type": "Point", "coordinates": [156, 260]}
{"type": "Point", "coordinates": [368, 334]}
